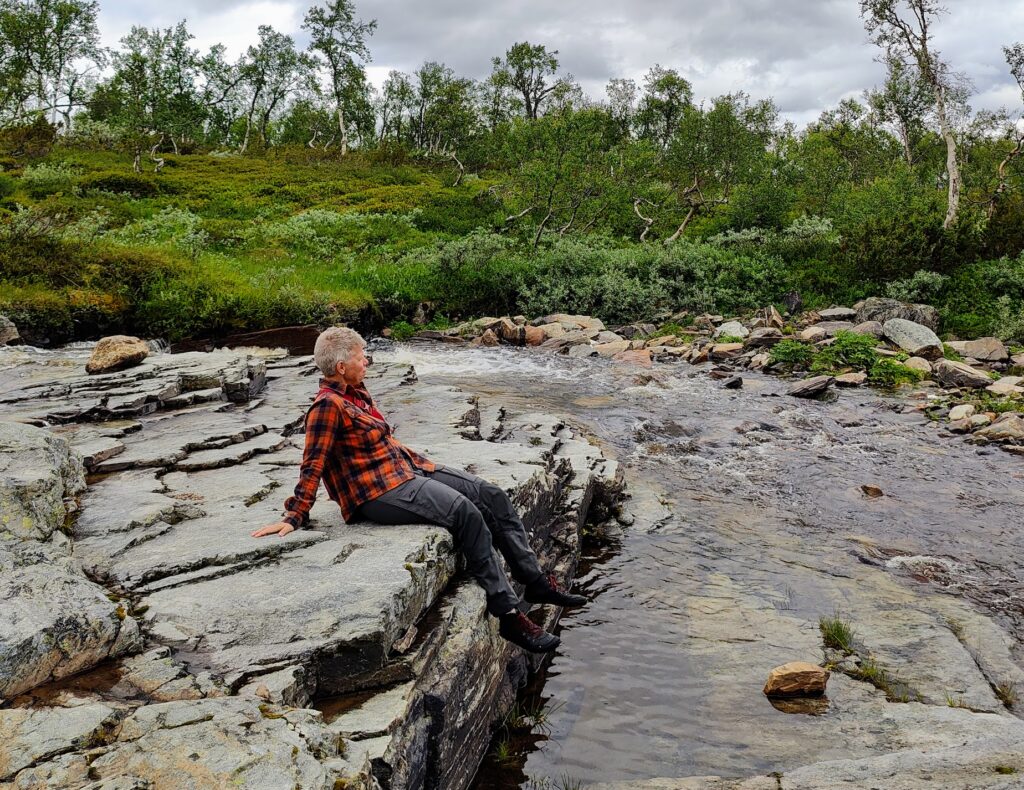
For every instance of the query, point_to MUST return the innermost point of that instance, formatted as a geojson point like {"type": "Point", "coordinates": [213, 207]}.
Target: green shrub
{"type": "Point", "coordinates": [924, 286]}
{"type": "Point", "coordinates": [848, 350]}
{"type": "Point", "coordinates": [120, 183]}
{"type": "Point", "coordinates": [43, 316]}
{"type": "Point", "coordinates": [403, 330]}
{"type": "Point", "coordinates": [793, 353]}
{"type": "Point", "coordinates": [7, 185]}
{"type": "Point", "coordinates": [46, 179]}
{"type": "Point", "coordinates": [889, 374]}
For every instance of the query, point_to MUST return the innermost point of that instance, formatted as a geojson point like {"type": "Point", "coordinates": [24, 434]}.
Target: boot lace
{"type": "Point", "coordinates": [527, 625]}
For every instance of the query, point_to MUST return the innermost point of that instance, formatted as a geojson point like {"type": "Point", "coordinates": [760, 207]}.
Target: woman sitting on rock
{"type": "Point", "coordinates": [370, 474]}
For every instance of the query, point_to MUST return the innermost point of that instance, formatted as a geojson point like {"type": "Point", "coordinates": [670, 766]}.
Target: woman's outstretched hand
{"type": "Point", "coordinates": [281, 528]}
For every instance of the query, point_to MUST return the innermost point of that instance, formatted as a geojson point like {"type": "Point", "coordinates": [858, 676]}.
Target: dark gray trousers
{"type": "Point", "coordinates": [479, 515]}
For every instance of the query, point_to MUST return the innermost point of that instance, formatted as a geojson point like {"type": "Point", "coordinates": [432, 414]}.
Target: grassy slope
{"type": "Point", "coordinates": [218, 229]}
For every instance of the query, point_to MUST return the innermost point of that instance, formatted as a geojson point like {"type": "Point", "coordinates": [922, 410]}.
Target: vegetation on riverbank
{"type": "Point", "coordinates": [183, 194]}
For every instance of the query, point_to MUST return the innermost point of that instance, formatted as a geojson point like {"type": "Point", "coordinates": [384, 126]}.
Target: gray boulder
{"type": "Point", "coordinates": [873, 328]}
{"type": "Point", "coordinates": [812, 387]}
{"type": "Point", "coordinates": [732, 329]}
{"type": "Point", "coordinates": [830, 328]}
{"type": "Point", "coordinates": [879, 309]}
{"type": "Point", "coordinates": [916, 339]}
{"type": "Point", "coordinates": [8, 331]}
{"type": "Point", "coordinates": [38, 471]}
{"type": "Point", "coordinates": [837, 314]}
{"type": "Point", "coordinates": [959, 374]}
{"type": "Point", "coordinates": [984, 349]}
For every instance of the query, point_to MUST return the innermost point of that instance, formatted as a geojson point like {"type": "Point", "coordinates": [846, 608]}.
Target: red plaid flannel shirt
{"type": "Point", "coordinates": [355, 454]}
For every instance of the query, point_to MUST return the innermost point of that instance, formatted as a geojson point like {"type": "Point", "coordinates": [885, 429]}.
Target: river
{"type": "Point", "coordinates": [750, 522]}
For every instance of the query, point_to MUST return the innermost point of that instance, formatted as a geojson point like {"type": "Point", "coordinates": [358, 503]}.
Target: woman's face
{"type": "Point", "coordinates": [354, 370]}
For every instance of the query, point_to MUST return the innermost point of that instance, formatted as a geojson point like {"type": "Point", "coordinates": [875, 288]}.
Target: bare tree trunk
{"type": "Point", "coordinates": [158, 159]}
{"type": "Point", "coordinates": [312, 140]}
{"type": "Point", "coordinates": [137, 160]}
{"type": "Point", "coordinates": [520, 215]}
{"type": "Point", "coordinates": [342, 129]}
{"type": "Point", "coordinates": [952, 166]}
{"type": "Point", "coordinates": [540, 230]}
{"type": "Point", "coordinates": [682, 228]}
{"type": "Point", "coordinates": [245, 140]}
{"type": "Point", "coordinates": [648, 221]}
{"type": "Point", "coordinates": [1001, 177]}
{"type": "Point", "coordinates": [462, 169]}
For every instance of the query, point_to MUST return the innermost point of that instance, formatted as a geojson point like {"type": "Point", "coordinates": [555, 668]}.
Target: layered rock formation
{"type": "Point", "coordinates": [235, 641]}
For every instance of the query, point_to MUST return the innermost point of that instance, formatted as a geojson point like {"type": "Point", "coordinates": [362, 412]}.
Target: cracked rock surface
{"type": "Point", "coordinates": [208, 647]}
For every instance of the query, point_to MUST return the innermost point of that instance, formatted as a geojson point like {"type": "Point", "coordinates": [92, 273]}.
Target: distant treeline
{"type": "Point", "coordinates": [905, 182]}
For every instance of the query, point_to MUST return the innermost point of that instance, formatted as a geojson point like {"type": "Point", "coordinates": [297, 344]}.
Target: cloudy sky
{"type": "Point", "coordinates": [807, 54]}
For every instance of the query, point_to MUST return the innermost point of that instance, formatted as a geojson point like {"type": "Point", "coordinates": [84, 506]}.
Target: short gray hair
{"type": "Point", "coordinates": [334, 345]}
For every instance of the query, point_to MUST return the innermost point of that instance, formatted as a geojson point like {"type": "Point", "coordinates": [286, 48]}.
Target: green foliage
{"type": "Point", "coordinates": [793, 353]}
{"type": "Point", "coordinates": [888, 373]}
{"type": "Point", "coordinates": [951, 353]}
{"type": "Point", "coordinates": [7, 185]}
{"type": "Point", "coordinates": [923, 286]}
{"type": "Point", "coordinates": [120, 183]}
{"type": "Point", "coordinates": [836, 633]}
{"type": "Point", "coordinates": [46, 179]}
{"type": "Point", "coordinates": [848, 350]}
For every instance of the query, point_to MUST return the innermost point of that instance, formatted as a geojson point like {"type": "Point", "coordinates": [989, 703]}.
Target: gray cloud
{"type": "Point", "coordinates": [806, 55]}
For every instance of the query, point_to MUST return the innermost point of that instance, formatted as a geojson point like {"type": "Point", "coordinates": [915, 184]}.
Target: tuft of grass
{"type": "Point", "coordinates": [850, 350]}
{"type": "Point", "coordinates": [836, 633]}
{"type": "Point", "coordinates": [950, 353]}
{"type": "Point", "coordinates": [1005, 770]}
{"type": "Point", "coordinates": [729, 339]}
{"type": "Point", "coordinates": [955, 702]}
{"type": "Point", "coordinates": [1006, 692]}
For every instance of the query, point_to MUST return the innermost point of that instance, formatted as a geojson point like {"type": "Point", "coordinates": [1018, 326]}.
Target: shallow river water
{"type": "Point", "coordinates": [750, 523]}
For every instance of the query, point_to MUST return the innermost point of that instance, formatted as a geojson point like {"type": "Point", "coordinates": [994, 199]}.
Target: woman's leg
{"type": "Point", "coordinates": [427, 501]}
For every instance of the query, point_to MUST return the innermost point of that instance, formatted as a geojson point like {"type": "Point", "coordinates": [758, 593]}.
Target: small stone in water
{"type": "Point", "coordinates": [872, 492]}
{"type": "Point", "coordinates": [734, 383]}
{"type": "Point", "coordinates": [796, 679]}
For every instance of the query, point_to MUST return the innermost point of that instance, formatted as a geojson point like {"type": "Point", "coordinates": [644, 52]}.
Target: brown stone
{"type": "Point", "coordinates": [812, 387]}
{"type": "Point", "coordinates": [1008, 428]}
{"type": "Point", "coordinates": [488, 339]}
{"type": "Point", "coordinates": [796, 679]}
{"type": "Point", "coordinates": [636, 357]}
{"type": "Point", "coordinates": [612, 348]}
{"type": "Point", "coordinates": [959, 374]}
{"type": "Point", "coordinates": [116, 353]}
{"type": "Point", "coordinates": [984, 349]}
{"type": "Point", "coordinates": [872, 492]}
{"type": "Point", "coordinates": [851, 379]}
{"type": "Point", "coordinates": [725, 350]}
{"type": "Point", "coordinates": [534, 335]}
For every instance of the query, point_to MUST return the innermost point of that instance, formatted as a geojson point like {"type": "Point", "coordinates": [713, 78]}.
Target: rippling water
{"type": "Point", "coordinates": [747, 503]}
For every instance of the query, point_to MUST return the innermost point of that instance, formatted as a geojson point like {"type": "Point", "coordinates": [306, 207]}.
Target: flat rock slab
{"type": "Point", "coordinates": [223, 742]}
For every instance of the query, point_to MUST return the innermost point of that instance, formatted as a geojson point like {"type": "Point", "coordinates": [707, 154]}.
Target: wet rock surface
{"type": "Point", "coordinates": [210, 646]}
{"type": "Point", "coordinates": [749, 522]}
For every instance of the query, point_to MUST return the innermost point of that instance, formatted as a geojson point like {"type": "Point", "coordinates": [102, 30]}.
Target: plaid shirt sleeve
{"type": "Point", "coordinates": [321, 427]}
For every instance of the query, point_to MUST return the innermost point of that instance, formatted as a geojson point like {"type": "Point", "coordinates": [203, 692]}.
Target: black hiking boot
{"type": "Point", "coordinates": [546, 589]}
{"type": "Point", "coordinates": [520, 630]}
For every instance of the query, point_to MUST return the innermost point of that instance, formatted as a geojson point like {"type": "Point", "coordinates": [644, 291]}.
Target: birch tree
{"type": "Point", "coordinates": [903, 29]}
{"type": "Point", "coordinates": [338, 40]}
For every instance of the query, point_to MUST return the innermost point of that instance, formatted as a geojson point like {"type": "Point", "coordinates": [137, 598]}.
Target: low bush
{"type": "Point", "coordinates": [792, 353]}
{"type": "Point", "coordinates": [120, 183]}
{"type": "Point", "coordinates": [888, 373]}
{"type": "Point", "coordinates": [47, 179]}
{"type": "Point", "coordinates": [848, 350]}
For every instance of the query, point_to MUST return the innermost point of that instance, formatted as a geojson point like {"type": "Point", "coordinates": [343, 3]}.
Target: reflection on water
{"type": "Point", "coordinates": [749, 507]}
